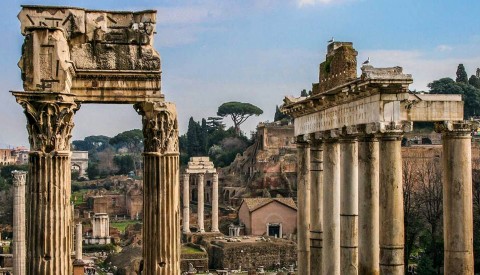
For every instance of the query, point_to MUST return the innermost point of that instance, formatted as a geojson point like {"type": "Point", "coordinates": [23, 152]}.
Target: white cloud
{"type": "Point", "coordinates": [444, 48]}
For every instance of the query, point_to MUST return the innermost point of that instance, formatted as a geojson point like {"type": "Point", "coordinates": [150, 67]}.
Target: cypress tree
{"type": "Point", "coordinates": [461, 74]}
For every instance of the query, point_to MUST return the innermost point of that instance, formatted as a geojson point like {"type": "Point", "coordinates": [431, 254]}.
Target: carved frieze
{"type": "Point", "coordinates": [160, 126]}
{"type": "Point", "coordinates": [49, 121]}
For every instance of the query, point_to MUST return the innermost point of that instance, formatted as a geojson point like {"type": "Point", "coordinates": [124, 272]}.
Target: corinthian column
{"type": "Point", "coordinates": [368, 203]}
{"type": "Point", "coordinates": [19, 181]}
{"type": "Point", "coordinates": [303, 198]}
{"type": "Point", "coordinates": [349, 206]}
{"type": "Point", "coordinates": [186, 203]}
{"type": "Point", "coordinates": [201, 203]}
{"type": "Point", "coordinates": [457, 197]}
{"type": "Point", "coordinates": [331, 209]}
{"type": "Point", "coordinates": [391, 204]}
{"type": "Point", "coordinates": [49, 227]}
{"type": "Point", "coordinates": [316, 215]}
{"type": "Point", "coordinates": [161, 193]}
{"type": "Point", "coordinates": [215, 203]}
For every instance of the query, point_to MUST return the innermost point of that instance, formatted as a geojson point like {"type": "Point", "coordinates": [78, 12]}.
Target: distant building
{"type": "Point", "coordinates": [79, 162]}
{"type": "Point", "coordinates": [268, 216]}
{"type": "Point", "coordinates": [100, 230]}
{"type": "Point", "coordinates": [7, 157]}
{"type": "Point", "coordinates": [129, 202]}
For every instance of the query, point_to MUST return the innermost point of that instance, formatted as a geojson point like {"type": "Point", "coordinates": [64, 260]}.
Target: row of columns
{"type": "Point", "coordinates": [201, 202]}
{"type": "Point", "coordinates": [350, 218]}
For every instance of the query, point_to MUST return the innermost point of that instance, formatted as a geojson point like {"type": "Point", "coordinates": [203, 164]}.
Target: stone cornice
{"type": "Point", "coordinates": [348, 92]}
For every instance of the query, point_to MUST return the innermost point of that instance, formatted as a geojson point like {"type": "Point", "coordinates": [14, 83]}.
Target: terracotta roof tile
{"type": "Point", "coordinates": [255, 203]}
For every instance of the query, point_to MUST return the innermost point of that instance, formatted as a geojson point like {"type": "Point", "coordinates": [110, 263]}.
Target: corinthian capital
{"type": "Point", "coordinates": [160, 126]}
{"type": "Point", "coordinates": [49, 120]}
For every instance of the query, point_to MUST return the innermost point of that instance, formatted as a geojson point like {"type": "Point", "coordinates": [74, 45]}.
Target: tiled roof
{"type": "Point", "coordinates": [255, 203]}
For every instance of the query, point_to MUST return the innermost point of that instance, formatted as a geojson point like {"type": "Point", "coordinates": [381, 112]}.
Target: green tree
{"type": "Point", "coordinates": [124, 163]}
{"type": "Point", "coordinates": [303, 93]}
{"type": "Point", "coordinates": [133, 141]}
{"type": "Point", "coordinates": [91, 143]}
{"type": "Point", "coordinates": [193, 140]}
{"type": "Point", "coordinates": [474, 81]}
{"type": "Point", "coordinates": [238, 112]}
{"type": "Point", "coordinates": [462, 76]}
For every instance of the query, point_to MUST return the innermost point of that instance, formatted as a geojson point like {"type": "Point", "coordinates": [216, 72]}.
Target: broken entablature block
{"type": "Point", "coordinates": [74, 50]}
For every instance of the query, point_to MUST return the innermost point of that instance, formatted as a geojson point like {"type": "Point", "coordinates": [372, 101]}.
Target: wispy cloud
{"type": "Point", "coordinates": [444, 48]}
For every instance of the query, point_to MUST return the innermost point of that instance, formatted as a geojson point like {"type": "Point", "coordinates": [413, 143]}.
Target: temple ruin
{"type": "Point", "coordinates": [200, 167]}
{"type": "Point", "coordinates": [351, 126]}
{"type": "Point", "coordinates": [73, 56]}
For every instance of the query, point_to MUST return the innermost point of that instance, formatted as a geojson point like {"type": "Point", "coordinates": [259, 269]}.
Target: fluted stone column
{"type": "Point", "coordinates": [316, 206]}
{"type": "Point", "coordinates": [303, 199]}
{"type": "Point", "coordinates": [19, 181]}
{"type": "Point", "coordinates": [457, 198]}
{"type": "Point", "coordinates": [161, 193]}
{"type": "Point", "coordinates": [349, 206]}
{"type": "Point", "coordinates": [215, 203]}
{"type": "Point", "coordinates": [201, 203]}
{"type": "Point", "coordinates": [78, 241]}
{"type": "Point", "coordinates": [391, 204]}
{"type": "Point", "coordinates": [186, 203]}
{"type": "Point", "coordinates": [368, 206]}
{"type": "Point", "coordinates": [331, 209]}
{"type": "Point", "coordinates": [49, 227]}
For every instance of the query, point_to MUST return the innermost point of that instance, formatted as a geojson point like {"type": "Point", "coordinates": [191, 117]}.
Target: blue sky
{"type": "Point", "coordinates": [259, 51]}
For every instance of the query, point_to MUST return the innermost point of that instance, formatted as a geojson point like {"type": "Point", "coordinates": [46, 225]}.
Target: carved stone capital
{"type": "Point", "coordinates": [49, 120]}
{"type": "Point", "coordinates": [457, 129]}
{"type": "Point", "coordinates": [160, 126]}
{"type": "Point", "coordinates": [19, 178]}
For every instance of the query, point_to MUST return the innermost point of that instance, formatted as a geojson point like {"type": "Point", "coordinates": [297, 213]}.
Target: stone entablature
{"type": "Point", "coordinates": [99, 56]}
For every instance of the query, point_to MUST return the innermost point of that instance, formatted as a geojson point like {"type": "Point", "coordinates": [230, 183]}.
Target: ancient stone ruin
{"type": "Point", "coordinates": [200, 167]}
{"type": "Point", "coordinates": [74, 56]}
{"type": "Point", "coordinates": [350, 196]}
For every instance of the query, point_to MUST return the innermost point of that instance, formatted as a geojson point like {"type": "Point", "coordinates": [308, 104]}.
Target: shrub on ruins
{"type": "Point", "coordinates": [239, 112]}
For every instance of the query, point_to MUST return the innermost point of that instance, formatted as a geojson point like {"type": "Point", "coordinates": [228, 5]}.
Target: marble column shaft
{"type": "Point", "coordinates": [186, 203]}
{"type": "Point", "coordinates": [457, 201]}
{"type": "Point", "coordinates": [215, 203]}
{"type": "Point", "coordinates": [201, 202]}
{"type": "Point", "coordinates": [349, 206]}
{"type": "Point", "coordinates": [368, 204]}
{"type": "Point", "coordinates": [161, 228]}
{"type": "Point", "coordinates": [161, 191]}
{"type": "Point", "coordinates": [316, 214]}
{"type": "Point", "coordinates": [49, 229]}
{"type": "Point", "coordinates": [19, 246]}
{"type": "Point", "coordinates": [331, 208]}
{"type": "Point", "coordinates": [391, 205]}
{"type": "Point", "coordinates": [303, 198]}
{"type": "Point", "coordinates": [78, 241]}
